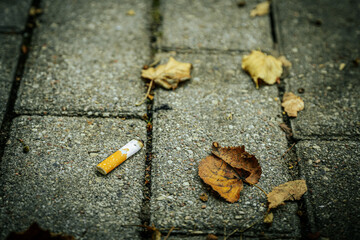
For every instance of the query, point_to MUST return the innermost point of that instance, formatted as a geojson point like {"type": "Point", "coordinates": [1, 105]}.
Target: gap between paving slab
{"type": "Point", "coordinates": [56, 185]}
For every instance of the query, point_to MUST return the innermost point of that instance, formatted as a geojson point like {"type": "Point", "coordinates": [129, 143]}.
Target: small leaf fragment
{"type": "Point", "coordinates": [292, 190]}
{"type": "Point", "coordinates": [261, 9]}
{"type": "Point", "coordinates": [269, 218]}
{"type": "Point", "coordinates": [221, 177]}
{"type": "Point", "coordinates": [292, 104]}
{"type": "Point", "coordinates": [131, 12]}
{"type": "Point", "coordinates": [342, 66]}
{"type": "Point", "coordinates": [168, 75]}
{"type": "Point", "coordinates": [284, 61]}
{"type": "Point", "coordinates": [263, 67]}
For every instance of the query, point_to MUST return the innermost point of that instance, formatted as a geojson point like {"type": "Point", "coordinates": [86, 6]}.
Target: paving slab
{"type": "Point", "coordinates": [13, 15]}
{"type": "Point", "coordinates": [214, 25]}
{"type": "Point", "coordinates": [332, 173]}
{"type": "Point", "coordinates": [56, 185]}
{"type": "Point", "coordinates": [317, 37]}
{"type": "Point", "coordinates": [219, 104]}
{"type": "Point", "coordinates": [86, 58]}
{"type": "Point", "coordinates": [9, 56]}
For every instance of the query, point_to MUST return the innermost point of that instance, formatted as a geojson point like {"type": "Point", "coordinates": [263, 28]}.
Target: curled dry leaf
{"type": "Point", "coordinates": [262, 67]}
{"type": "Point", "coordinates": [292, 104]}
{"type": "Point", "coordinates": [292, 190]}
{"type": "Point", "coordinates": [261, 9]}
{"type": "Point", "coordinates": [226, 170]}
{"type": "Point", "coordinates": [168, 75]}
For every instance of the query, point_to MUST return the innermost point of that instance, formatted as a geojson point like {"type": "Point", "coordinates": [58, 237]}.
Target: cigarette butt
{"type": "Point", "coordinates": [119, 156]}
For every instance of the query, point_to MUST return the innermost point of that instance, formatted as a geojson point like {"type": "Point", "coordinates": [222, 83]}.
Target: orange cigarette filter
{"type": "Point", "coordinates": [119, 156]}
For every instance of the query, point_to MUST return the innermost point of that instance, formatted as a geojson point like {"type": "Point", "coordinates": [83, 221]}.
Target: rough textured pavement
{"type": "Point", "coordinates": [69, 82]}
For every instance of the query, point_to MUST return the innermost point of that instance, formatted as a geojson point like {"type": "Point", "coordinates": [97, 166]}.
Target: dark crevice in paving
{"type": "Point", "coordinates": [145, 214]}
{"type": "Point", "coordinates": [292, 155]}
{"type": "Point", "coordinates": [202, 50]}
{"type": "Point", "coordinates": [25, 47]}
{"type": "Point", "coordinates": [82, 114]}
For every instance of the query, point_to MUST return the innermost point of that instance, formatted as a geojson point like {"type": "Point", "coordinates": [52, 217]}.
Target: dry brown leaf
{"type": "Point", "coordinates": [262, 67]}
{"type": "Point", "coordinates": [269, 218]}
{"type": "Point", "coordinates": [240, 160]}
{"type": "Point", "coordinates": [168, 75]}
{"type": "Point", "coordinates": [221, 177]}
{"type": "Point", "coordinates": [261, 9]}
{"type": "Point", "coordinates": [284, 61]}
{"type": "Point", "coordinates": [292, 104]}
{"type": "Point", "coordinates": [292, 190]}
{"type": "Point", "coordinates": [226, 170]}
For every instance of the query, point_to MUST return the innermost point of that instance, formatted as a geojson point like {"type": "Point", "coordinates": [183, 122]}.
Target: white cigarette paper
{"type": "Point", "coordinates": [119, 156]}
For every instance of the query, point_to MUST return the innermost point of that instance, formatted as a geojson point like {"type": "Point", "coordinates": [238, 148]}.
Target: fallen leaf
{"type": "Point", "coordinates": [269, 218]}
{"type": "Point", "coordinates": [261, 9]}
{"type": "Point", "coordinates": [131, 12]}
{"type": "Point", "coordinates": [342, 66]}
{"type": "Point", "coordinates": [262, 67]}
{"type": "Point", "coordinates": [221, 177]}
{"type": "Point", "coordinates": [168, 75]}
{"type": "Point", "coordinates": [226, 170]}
{"type": "Point", "coordinates": [239, 159]}
{"type": "Point", "coordinates": [292, 190]}
{"type": "Point", "coordinates": [204, 197]}
{"type": "Point", "coordinates": [284, 61]}
{"type": "Point", "coordinates": [211, 237]}
{"type": "Point", "coordinates": [35, 232]}
{"type": "Point", "coordinates": [292, 104]}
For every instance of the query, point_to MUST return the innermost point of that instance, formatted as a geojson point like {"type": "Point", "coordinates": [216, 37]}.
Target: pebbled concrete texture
{"type": "Point", "coordinates": [56, 185]}
{"type": "Point", "coordinates": [220, 103]}
{"type": "Point", "coordinates": [332, 173]}
{"type": "Point", "coordinates": [214, 25]}
{"type": "Point", "coordinates": [9, 55]}
{"type": "Point", "coordinates": [317, 37]}
{"type": "Point", "coordinates": [13, 15]}
{"type": "Point", "coordinates": [86, 58]}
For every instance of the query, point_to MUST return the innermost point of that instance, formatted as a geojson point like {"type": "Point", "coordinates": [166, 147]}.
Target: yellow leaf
{"type": "Point", "coordinates": [262, 67]}
{"type": "Point", "coordinates": [292, 190]}
{"type": "Point", "coordinates": [131, 12]}
{"type": "Point", "coordinates": [260, 9]}
{"type": "Point", "coordinates": [168, 75]}
{"type": "Point", "coordinates": [292, 104]}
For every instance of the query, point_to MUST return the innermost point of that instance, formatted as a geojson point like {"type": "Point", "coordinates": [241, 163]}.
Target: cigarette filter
{"type": "Point", "coordinates": [119, 156]}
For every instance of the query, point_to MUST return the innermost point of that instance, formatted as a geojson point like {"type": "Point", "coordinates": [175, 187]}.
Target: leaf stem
{"type": "Point", "coordinates": [147, 93]}
{"type": "Point", "coordinates": [260, 189]}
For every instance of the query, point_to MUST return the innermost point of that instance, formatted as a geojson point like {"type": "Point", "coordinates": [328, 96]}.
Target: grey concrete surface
{"type": "Point", "coordinates": [219, 104]}
{"type": "Point", "coordinates": [13, 15]}
{"type": "Point", "coordinates": [332, 173]}
{"type": "Point", "coordinates": [56, 185]}
{"type": "Point", "coordinates": [214, 25]}
{"type": "Point", "coordinates": [317, 37]}
{"type": "Point", "coordinates": [9, 56]}
{"type": "Point", "coordinates": [86, 57]}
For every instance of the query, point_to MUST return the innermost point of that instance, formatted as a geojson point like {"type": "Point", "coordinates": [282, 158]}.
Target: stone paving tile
{"type": "Point", "coordinates": [214, 25]}
{"type": "Point", "coordinates": [13, 15]}
{"type": "Point", "coordinates": [9, 56]}
{"type": "Point", "coordinates": [220, 103]}
{"type": "Point", "coordinates": [332, 173]}
{"type": "Point", "coordinates": [87, 58]}
{"type": "Point", "coordinates": [56, 184]}
{"type": "Point", "coordinates": [317, 37]}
